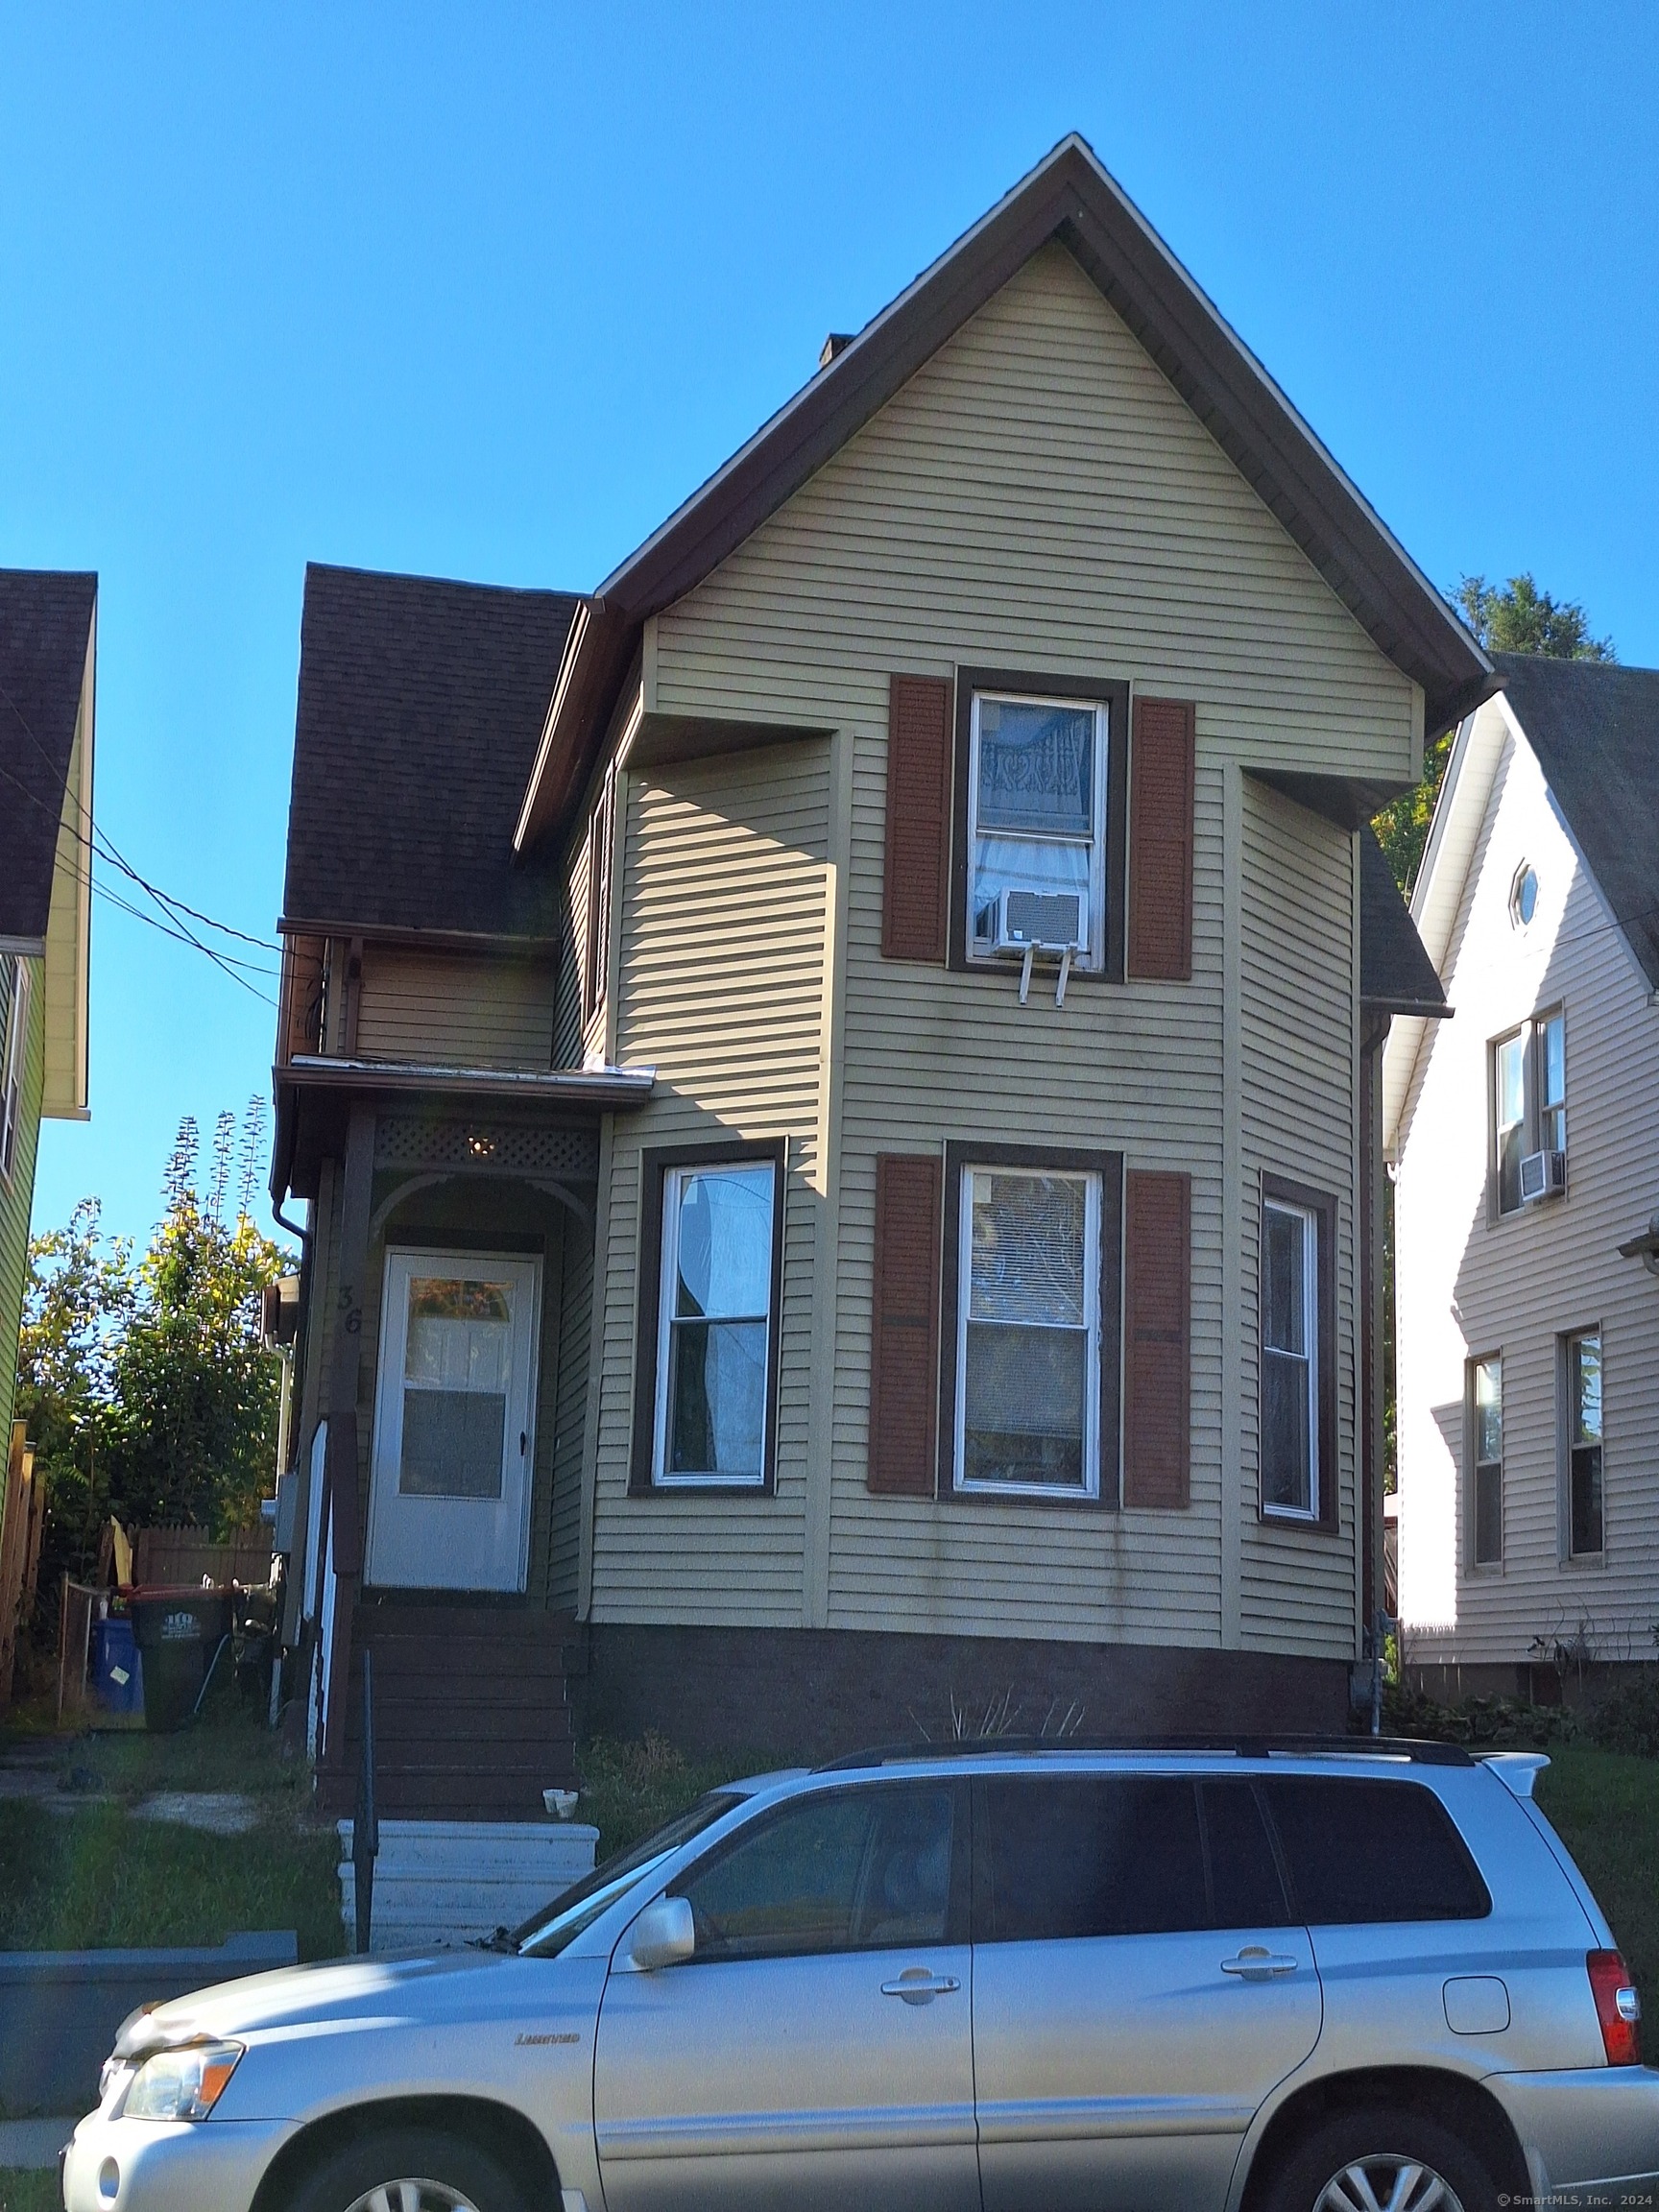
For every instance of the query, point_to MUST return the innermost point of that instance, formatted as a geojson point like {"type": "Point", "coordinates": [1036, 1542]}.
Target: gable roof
{"type": "Point", "coordinates": [1069, 197]}
{"type": "Point", "coordinates": [1594, 728]}
{"type": "Point", "coordinates": [1396, 975]}
{"type": "Point", "coordinates": [45, 631]}
{"type": "Point", "coordinates": [421, 706]}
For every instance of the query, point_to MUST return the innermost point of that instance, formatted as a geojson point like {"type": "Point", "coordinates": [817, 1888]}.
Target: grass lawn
{"type": "Point", "coordinates": [21, 2192]}
{"type": "Point", "coordinates": [1604, 1806]}
{"type": "Point", "coordinates": [92, 1877]}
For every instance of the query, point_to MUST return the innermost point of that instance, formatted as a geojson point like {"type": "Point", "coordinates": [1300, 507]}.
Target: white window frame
{"type": "Point", "coordinates": [1090, 1487]}
{"type": "Point", "coordinates": [1476, 1464]}
{"type": "Point", "coordinates": [16, 1056]}
{"type": "Point", "coordinates": [1531, 1035]}
{"type": "Point", "coordinates": [1309, 1219]}
{"type": "Point", "coordinates": [1567, 1429]}
{"type": "Point", "coordinates": [674, 1181]}
{"type": "Point", "coordinates": [976, 948]}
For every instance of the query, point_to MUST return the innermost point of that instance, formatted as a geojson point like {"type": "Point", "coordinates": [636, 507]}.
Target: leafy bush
{"type": "Point", "coordinates": [1482, 1724]}
{"type": "Point", "coordinates": [1627, 1717]}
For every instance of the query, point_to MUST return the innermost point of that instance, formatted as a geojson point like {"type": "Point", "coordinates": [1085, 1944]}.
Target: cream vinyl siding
{"type": "Point", "coordinates": [720, 979]}
{"type": "Point", "coordinates": [1037, 496]}
{"type": "Point", "coordinates": [1469, 1286]}
{"type": "Point", "coordinates": [1298, 1104]}
{"type": "Point", "coordinates": [564, 1403]}
{"type": "Point", "coordinates": [67, 927]}
{"type": "Point", "coordinates": [567, 1029]}
{"type": "Point", "coordinates": [456, 1011]}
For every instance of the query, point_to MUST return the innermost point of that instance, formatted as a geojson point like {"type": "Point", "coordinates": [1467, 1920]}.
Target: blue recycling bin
{"type": "Point", "coordinates": [116, 1669]}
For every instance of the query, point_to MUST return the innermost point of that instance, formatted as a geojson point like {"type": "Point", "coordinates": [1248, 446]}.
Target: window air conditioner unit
{"type": "Point", "coordinates": [1543, 1175]}
{"type": "Point", "coordinates": [1050, 920]}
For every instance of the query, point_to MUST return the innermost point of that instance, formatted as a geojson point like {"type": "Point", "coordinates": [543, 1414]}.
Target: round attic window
{"type": "Point", "coordinates": [1524, 895]}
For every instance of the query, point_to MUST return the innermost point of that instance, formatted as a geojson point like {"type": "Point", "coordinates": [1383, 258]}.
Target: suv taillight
{"type": "Point", "coordinates": [1617, 2008]}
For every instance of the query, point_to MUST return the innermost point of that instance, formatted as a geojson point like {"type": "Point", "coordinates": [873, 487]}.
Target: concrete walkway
{"type": "Point", "coordinates": [33, 2142]}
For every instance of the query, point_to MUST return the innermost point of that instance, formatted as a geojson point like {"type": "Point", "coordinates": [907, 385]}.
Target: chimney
{"type": "Point", "coordinates": [836, 342]}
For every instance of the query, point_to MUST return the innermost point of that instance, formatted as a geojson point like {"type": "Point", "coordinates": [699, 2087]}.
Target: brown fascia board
{"type": "Point", "coordinates": [423, 940]}
{"type": "Point", "coordinates": [1070, 197]}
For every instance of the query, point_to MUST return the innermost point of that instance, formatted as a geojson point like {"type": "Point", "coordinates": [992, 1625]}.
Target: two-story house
{"type": "Point", "coordinates": [48, 643]}
{"type": "Point", "coordinates": [1526, 1136]}
{"type": "Point", "coordinates": [830, 1073]}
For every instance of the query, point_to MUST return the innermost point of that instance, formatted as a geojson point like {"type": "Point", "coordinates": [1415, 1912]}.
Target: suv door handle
{"type": "Point", "coordinates": [1256, 1963]}
{"type": "Point", "coordinates": [917, 1986]}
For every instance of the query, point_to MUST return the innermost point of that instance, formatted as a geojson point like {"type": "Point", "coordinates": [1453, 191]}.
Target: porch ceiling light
{"type": "Point", "coordinates": [1644, 1248]}
{"type": "Point", "coordinates": [479, 1145]}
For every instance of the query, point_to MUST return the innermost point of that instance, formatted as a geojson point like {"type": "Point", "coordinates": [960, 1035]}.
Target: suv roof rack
{"type": "Point", "coordinates": [1420, 1750]}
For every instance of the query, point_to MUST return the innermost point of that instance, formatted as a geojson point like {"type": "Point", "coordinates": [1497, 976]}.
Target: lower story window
{"type": "Point", "coordinates": [1486, 1451]}
{"type": "Point", "coordinates": [1583, 1362]}
{"type": "Point", "coordinates": [1290, 1470]}
{"type": "Point", "coordinates": [1028, 1332]}
{"type": "Point", "coordinates": [715, 1323]}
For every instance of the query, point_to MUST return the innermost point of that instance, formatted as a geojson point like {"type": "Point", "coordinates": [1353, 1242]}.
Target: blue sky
{"type": "Point", "coordinates": [484, 290]}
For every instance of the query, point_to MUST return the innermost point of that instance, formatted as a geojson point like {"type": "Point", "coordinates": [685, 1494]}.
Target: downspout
{"type": "Point", "coordinates": [1373, 1036]}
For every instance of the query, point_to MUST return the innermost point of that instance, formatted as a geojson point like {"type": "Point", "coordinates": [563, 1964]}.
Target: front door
{"type": "Point", "coordinates": [449, 1495]}
{"type": "Point", "coordinates": [816, 2051]}
{"type": "Point", "coordinates": [1138, 1990]}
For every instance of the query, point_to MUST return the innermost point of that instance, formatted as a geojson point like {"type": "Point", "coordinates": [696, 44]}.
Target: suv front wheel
{"type": "Point", "coordinates": [409, 2170]}
{"type": "Point", "coordinates": [1381, 2159]}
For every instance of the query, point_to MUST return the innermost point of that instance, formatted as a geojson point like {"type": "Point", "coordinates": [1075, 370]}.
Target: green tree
{"type": "Point", "coordinates": [78, 1299]}
{"type": "Point", "coordinates": [1514, 617]}
{"type": "Point", "coordinates": [194, 1434]}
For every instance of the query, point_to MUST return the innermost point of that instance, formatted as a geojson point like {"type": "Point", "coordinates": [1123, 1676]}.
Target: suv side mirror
{"type": "Point", "coordinates": [663, 1934]}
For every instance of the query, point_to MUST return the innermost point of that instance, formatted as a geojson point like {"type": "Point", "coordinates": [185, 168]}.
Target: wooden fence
{"type": "Point", "coordinates": [22, 1511]}
{"type": "Point", "coordinates": [180, 1557]}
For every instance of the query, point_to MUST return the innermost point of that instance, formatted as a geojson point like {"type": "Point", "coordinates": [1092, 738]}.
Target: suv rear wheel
{"type": "Point", "coordinates": [1381, 2159]}
{"type": "Point", "coordinates": [410, 2170]}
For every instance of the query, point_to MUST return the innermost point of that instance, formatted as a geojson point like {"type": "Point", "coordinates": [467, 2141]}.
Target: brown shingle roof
{"type": "Point", "coordinates": [421, 707]}
{"type": "Point", "coordinates": [45, 627]}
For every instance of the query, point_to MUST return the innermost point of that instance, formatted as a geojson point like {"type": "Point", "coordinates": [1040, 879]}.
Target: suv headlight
{"type": "Point", "coordinates": [183, 2084]}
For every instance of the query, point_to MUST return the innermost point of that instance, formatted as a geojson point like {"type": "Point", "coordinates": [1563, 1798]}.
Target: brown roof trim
{"type": "Point", "coordinates": [417, 940]}
{"type": "Point", "coordinates": [1070, 197]}
{"type": "Point", "coordinates": [609, 1087]}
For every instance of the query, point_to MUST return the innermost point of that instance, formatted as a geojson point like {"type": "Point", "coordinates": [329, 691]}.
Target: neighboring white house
{"type": "Point", "coordinates": [1525, 1134]}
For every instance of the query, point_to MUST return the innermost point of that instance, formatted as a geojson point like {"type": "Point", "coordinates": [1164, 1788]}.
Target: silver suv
{"type": "Point", "coordinates": [1289, 1977]}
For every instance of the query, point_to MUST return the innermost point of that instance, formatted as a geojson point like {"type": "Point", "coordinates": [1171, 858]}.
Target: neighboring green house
{"type": "Point", "coordinates": [48, 643]}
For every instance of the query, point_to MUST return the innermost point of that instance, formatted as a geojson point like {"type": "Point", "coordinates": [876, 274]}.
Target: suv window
{"type": "Point", "coordinates": [1068, 1855]}
{"type": "Point", "coordinates": [855, 1870]}
{"type": "Point", "coordinates": [1360, 1851]}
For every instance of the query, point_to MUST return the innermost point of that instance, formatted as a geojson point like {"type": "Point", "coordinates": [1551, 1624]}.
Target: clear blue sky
{"type": "Point", "coordinates": [484, 290]}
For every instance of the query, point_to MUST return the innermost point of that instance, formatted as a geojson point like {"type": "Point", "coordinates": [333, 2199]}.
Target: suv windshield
{"type": "Point", "coordinates": [547, 1932]}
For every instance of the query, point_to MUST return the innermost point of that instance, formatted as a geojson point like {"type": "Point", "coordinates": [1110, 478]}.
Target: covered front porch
{"type": "Point", "coordinates": [444, 1414]}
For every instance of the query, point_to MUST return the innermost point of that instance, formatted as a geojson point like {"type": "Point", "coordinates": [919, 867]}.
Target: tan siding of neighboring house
{"type": "Point", "coordinates": [1469, 1286]}
{"type": "Point", "coordinates": [454, 1010]}
{"type": "Point", "coordinates": [1298, 1103]}
{"type": "Point", "coordinates": [720, 972]}
{"type": "Point", "coordinates": [1037, 496]}
{"type": "Point", "coordinates": [16, 1194]}
{"type": "Point", "coordinates": [67, 927]}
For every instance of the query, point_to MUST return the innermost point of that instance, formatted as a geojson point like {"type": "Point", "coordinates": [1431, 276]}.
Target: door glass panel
{"type": "Point", "coordinates": [1373, 1851]}
{"type": "Point", "coordinates": [457, 1368]}
{"type": "Point", "coordinates": [1069, 1859]}
{"type": "Point", "coordinates": [866, 1869]}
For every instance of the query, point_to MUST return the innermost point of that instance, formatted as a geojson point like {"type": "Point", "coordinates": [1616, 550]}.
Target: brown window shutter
{"type": "Point", "coordinates": [1157, 1339]}
{"type": "Point", "coordinates": [1161, 778]}
{"type": "Point", "coordinates": [904, 1325]}
{"type": "Point", "coordinates": [915, 886]}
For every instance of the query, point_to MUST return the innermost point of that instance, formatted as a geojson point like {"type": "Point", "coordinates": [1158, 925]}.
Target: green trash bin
{"type": "Point", "coordinates": [177, 1631]}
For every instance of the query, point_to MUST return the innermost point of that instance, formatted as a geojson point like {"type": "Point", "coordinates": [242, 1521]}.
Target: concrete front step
{"type": "Point", "coordinates": [440, 1883]}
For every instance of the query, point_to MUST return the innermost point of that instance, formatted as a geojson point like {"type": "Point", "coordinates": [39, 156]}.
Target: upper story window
{"type": "Point", "coordinates": [1581, 1361]}
{"type": "Point", "coordinates": [1028, 1332]}
{"type": "Point", "coordinates": [14, 1051]}
{"type": "Point", "coordinates": [1485, 1418]}
{"type": "Point", "coordinates": [1528, 1089]}
{"type": "Point", "coordinates": [1037, 826]}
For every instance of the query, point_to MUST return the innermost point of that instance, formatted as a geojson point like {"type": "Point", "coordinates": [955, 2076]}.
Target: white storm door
{"type": "Point", "coordinates": [449, 1495]}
